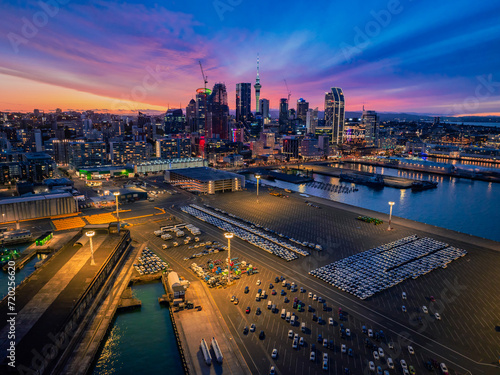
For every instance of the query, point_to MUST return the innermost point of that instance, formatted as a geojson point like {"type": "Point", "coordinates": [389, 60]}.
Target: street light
{"type": "Point", "coordinates": [228, 235]}
{"type": "Point", "coordinates": [390, 215]}
{"type": "Point", "coordinates": [258, 179]}
{"type": "Point", "coordinates": [116, 194]}
{"type": "Point", "coordinates": [91, 234]}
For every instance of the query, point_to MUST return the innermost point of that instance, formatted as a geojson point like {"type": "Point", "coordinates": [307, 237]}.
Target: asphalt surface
{"type": "Point", "coordinates": [464, 339]}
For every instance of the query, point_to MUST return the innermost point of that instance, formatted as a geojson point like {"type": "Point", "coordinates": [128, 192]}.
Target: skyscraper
{"type": "Point", "coordinates": [201, 110]}
{"type": "Point", "coordinates": [283, 116]}
{"type": "Point", "coordinates": [335, 113]}
{"type": "Point", "coordinates": [369, 121]}
{"type": "Point", "coordinates": [191, 116]}
{"type": "Point", "coordinates": [312, 120]}
{"type": "Point", "coordinates": [264, 108]}
{"type": "Point", "coordinates": [243, 101]}
{"type": "Point", "coordinates": [302, 107]}
{"type": "Point", "coordinates": [257, 87]}
{"type": "Point", "coordinates": [218, 112]}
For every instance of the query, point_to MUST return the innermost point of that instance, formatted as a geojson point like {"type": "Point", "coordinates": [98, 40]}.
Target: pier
{"type": "Point", "coordinates": [363, 178]}
{"type": "Point", "coordinates": [54, 302]}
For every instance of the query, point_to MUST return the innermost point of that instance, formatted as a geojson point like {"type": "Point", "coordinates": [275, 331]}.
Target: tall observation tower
{"type": "Point", "coordinates": [257, 87]}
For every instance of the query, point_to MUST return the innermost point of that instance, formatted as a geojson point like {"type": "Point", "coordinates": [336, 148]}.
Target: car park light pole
{"type": "Point", "coordinates": [116, 194]}
{"type": "Point", "coordinates": [91, 234]}
{"type": "Point", "coordinates": [390, 214]}
{"type": "Point", "coordinates": [228, 235]}
{"type": "Point", "coordinates": [258, 179]}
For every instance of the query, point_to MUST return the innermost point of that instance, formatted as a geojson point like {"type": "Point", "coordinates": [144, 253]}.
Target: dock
{"type": "Point", "coordinates": [58, 298]}
{"type": "Point", "coordinates": [389, 181]}
{"type": "Point", "coordinates": [192, 325]}
{"type": "Point", "coordinates": [128, 302]}
{"type": "Point", "coordinates": [55, 244]}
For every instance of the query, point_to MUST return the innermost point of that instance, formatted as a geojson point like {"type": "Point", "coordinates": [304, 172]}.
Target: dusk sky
{"type": "Point", "coordinates": [417, 56]}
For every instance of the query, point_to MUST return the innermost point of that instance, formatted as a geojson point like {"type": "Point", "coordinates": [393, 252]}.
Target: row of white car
{"type": "Point", "coordinates": [255, 225]}
{"type": "Point", "coordinates": [374, 270]}
{"type": "Point", "coordinates": [245, 235]}
{"type": "Point", "coordinates": [250, 228]}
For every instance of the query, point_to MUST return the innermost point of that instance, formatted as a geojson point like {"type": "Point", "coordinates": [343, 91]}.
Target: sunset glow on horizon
{"type": "Point", "coordinates": [396, 56]}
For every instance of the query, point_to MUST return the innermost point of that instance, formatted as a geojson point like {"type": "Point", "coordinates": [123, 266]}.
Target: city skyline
{"type": "Point", "coordinates": [395, 56]}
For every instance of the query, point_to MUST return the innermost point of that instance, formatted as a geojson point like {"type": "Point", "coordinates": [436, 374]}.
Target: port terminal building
{"type": "Point", "coordinates": [37, 206]}
{"type": "Point", "coordinates": [160, 165]}
{"type": "Point", "coordinates": [204, 180]}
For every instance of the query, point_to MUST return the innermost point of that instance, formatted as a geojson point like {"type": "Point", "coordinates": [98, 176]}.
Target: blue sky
{"type": "Point", "coordinates": [392, 56]}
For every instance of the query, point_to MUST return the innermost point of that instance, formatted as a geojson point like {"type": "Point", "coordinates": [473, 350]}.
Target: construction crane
{"type": "Point", "coordinates": [205, 81]}
{"type": "Point", "coordinates": [205, 78]}
{"type": "Point", "coordinates": [288, 91]}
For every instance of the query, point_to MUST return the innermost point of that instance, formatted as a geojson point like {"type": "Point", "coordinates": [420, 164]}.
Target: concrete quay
{"type": "Point", "coordinates": [50, 305]}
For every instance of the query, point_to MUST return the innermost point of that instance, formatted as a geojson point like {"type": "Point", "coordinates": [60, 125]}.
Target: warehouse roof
{"type": "Point", "coordinates": [205, 174]}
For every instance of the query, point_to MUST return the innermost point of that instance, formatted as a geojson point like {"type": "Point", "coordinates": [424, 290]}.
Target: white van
{"type": "Point", "coordinates": [283, 313]}
{"type": "Point", "coordinates": [292, 320]}
{"type": "Point", "coordinates": [269, 305]}
{"type": "Point", "coordinates": [257, 297]}
{"type": "Point", "coordinates": [288, 316]}
{"type": "Point", "coordinates": [303, 326]}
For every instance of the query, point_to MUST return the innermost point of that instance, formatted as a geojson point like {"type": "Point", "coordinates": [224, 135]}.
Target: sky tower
{"type": "Point", "coordinates": [257, 87]}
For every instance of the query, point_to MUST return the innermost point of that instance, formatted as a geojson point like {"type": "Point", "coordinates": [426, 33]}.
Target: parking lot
{"type": "Point", "coordinates": [463, 338]}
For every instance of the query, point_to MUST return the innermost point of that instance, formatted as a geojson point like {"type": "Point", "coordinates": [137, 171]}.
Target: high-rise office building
{"type": "Point", "coordinates": [312, 120]}
{"type": "Point", "coordinates": [191, 116]}
{"type": "Point", "coordinates": [243, 100]}
{"type": "Point", "coordinates": [201, 111]}
{"type": "Point", "coordinates": [172, 148]}
{"type": "Point", "coordinates": [302, 107]}
{"type": "Point", "coordinates": [128, 152]}
{"type": "Point", "coordinates": [174, 121]}
{"type": "Point", "coordinates": [218, 113]}
{"type": "Point", "coordinates": [369, 121]}
{"type": "Point", "coordinates": [264, 107]}
{"type": "Point", "coordinates": [335, 113]}
{"type": "Point", "coordinates": [257, 87]}
{"type": "Point", "coordinates": [283, 115]}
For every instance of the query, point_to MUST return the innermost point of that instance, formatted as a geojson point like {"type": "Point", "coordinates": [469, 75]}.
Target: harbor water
{"type": "Point", "coordinates": [141, 341]}
{"type": "Point", "coordinates": [465, 205]}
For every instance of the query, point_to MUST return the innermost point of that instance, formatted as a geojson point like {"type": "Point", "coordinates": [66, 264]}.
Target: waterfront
{"type": "Point", "coordinates": [456, 204]}
{"type": "Point", "coordinates": [22, 274]}
{"type": "Point", "coordinates": [141, 340]}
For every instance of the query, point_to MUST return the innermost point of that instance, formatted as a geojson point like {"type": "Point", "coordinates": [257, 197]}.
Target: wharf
{"type": "Point", "coordinates": [56, 243]}
{"type": "Point", "coordinates": [196, 324]}
{"type": "Point", "coordinates": [459, 173]}
{"type": "Point", "coordinates": [50, 304]}
{"type": "Point", "coordinates": [94, 333]}
{"type": "Point", "coordinates": [292, 178]}
{"type": "Point", "coordinates": [389, 181]}
{"type": "Point", "coordinates": [128, 302]}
